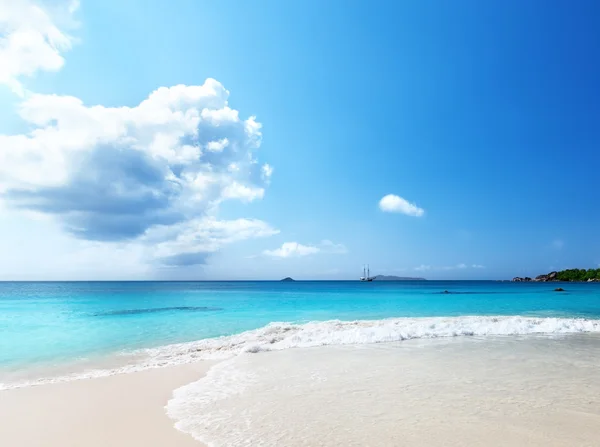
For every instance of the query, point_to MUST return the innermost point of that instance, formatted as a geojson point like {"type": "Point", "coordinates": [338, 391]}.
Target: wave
{"type": "Point", "coordinates": [278, 336]}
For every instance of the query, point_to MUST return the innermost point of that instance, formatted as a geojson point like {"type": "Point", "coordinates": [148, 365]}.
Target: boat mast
{"type": "Point", "coordinates": [368, 271]}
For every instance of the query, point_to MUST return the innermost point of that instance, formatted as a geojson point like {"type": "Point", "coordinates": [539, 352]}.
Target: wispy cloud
{"type": "Point", "coordinates": [558, 244]}
{"type": "Point", "coordinates": [291, 249]}
{"type": "Point", "coordinates": [461, 266]}
{"type": "Point", "coordinates": [32, 41]}
{"type": "Point", "coordinates": [295, 249]}
{"type": "Point", "coordinates": [396, 204]}
{"type": "Point", "coordinates": [453, 267]}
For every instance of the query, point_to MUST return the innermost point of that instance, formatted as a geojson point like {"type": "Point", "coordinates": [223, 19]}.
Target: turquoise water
{"type": "Point", "coordinates": [49, 323]}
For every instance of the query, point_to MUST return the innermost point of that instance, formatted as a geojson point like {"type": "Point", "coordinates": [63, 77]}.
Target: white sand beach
{"type": "Point", "coordinates": [122, 410]}
{"type": "Point", "coordinates": [488, 391]}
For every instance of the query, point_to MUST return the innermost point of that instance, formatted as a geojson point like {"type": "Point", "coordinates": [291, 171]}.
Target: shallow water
{"type": "Point", "coordinates": [49, 326]}
{"type": "Point", "coordinates": [490, 391]}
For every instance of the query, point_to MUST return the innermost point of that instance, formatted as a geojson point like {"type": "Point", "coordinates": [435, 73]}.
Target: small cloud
{"type": "Point", "coordinates": [423, 268]}
{"type": "Point", "coordinates": [478, 266]}
{"type": "Point", "coordinates": [294, 249]}
{"type": "Point", "coordinates": [267, 171]}
{"type": "Point", "coordinates": [558, 244]}
{"type": "Point", "coordinates": [396, 204]}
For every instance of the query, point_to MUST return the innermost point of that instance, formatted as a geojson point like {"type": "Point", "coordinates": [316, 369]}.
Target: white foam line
{"type": "Point", "coordinates": [277, 336]}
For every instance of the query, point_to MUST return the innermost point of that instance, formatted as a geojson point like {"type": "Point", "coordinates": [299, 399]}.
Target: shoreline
{"type": "Point", "coordinates": [120, 410]}
{"type": "Point", "coordinates": [279, 336]}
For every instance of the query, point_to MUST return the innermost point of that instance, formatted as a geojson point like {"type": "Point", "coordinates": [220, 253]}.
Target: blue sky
{"type": "Point", "coordinates": [480, 118]}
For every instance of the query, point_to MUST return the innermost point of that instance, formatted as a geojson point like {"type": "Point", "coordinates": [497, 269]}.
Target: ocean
{"type": "Point", "coordinates": [46, 325]}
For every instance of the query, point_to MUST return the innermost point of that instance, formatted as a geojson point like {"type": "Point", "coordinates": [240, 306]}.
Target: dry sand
{"type": "Point", "coordinates": [496, 392]}
{"type": "Point", "coordinates": [122, 410]}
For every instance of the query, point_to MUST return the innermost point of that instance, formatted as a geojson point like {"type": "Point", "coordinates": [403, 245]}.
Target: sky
{"type": "Point", "coordinates": [257, 140]}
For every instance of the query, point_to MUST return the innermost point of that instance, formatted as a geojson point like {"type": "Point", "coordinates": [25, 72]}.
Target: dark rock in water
{"type": "Point", "coordinates": [445, 291]}
{"type": "Point", "coordinates": [519, 279]}
{"type": "Point", "coordinates": [559, 289]}
{"type": "Point", "coordinates": [288, 279]}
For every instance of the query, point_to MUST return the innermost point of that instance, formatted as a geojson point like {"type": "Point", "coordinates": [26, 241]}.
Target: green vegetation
{"type": "Point", "coordinates": [578, 274]}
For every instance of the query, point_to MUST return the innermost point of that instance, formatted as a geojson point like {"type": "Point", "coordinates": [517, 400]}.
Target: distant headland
{"type": "Point", "coordinates": [569, 275]}
{"type": "Point", "coordinates": [396, 278]}
{"type": "Point", "coordinates": [377, 278]}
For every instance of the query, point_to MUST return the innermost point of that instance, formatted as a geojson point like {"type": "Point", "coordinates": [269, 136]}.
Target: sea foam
{"type": "Point", "coordinates": [278, 336]}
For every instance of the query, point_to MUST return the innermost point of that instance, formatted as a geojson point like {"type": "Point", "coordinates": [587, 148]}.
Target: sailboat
{"type": "Point", "coordinates": [366, 275]}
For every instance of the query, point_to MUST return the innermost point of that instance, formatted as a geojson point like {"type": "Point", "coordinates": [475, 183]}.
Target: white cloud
{"type": "Point", "coordinates": [396, 204]}
{"type": "Point", "coordinates": [112, 173]}
{"type": "Point", "coordinates": [267, 172]}
{"type": "Point", "coordinates": [294, 249]}
{"type": "Point", "coordinates": [460, 266]}
{"type": "Point", "coordinates": [30, 40]}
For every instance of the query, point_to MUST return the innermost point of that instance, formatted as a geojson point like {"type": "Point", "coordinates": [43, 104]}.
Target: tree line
{"type": "Point", "coordinates": [578, 274]}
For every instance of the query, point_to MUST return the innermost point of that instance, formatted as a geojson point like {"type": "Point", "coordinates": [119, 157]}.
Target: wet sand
{"type": "Point", "coordinates": [488, 392]}
{"type": "Point", "coordinates": [122, 410]}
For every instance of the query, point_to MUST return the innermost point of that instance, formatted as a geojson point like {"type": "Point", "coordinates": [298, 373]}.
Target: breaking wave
{"type": "Point", "coordinates": [278, 336]}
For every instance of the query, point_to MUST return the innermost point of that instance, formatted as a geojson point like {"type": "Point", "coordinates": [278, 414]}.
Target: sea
{"type": "Point", "coordinates": [62, 331]}
{"type": "Point", "coordinates": [47, 325]}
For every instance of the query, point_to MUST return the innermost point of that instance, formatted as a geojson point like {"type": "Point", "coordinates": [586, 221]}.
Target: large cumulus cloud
{"type": "Point", "coordinates": [118, 173]}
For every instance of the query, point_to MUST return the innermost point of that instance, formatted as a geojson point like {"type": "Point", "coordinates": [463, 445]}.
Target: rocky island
{"type": "Point", "coordinates": [569, 275]}
{"type": "Point", "coordinates": [288, 279]}
{"type": "Point", "coordinates": [396, 278]}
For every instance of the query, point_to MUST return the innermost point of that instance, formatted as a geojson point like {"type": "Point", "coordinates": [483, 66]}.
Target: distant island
{"type": "Point", "coordinates": [396, 278]}
{"type": "Point", "coordinates": [288, 279]}
{"type": "Point", "coordinates": [569, 275]}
